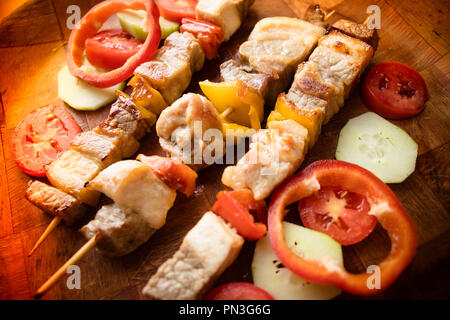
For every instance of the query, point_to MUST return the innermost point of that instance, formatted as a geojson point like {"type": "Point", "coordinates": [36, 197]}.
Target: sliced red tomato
{"type": "Point", "coordinates": [238, 291]}
{"type": "Point", "coordinates": [235, 207]}
{"type": "Point", "coordinates": [208, 35]}
{"type": "Point", "coordinates": [110, 49]}
{"type": "Point", "coordinates": [41, 137]}
{"type": "Point", "coordinates": [89, 25]}
{"type": "Point", "coordinates": [175, 174]}
{"type": "Point", "coordinates": [175, 10]}
{"type": "Point", "coordinates": [341, 214]}
{"type": "Point", "coordinates": [394, 90]}
{"type": "Point", "coordinates": [383, 204]}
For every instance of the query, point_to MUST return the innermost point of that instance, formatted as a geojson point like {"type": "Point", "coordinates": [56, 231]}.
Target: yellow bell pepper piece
{"type": "Point", "coordinates": [236, 102]}
{"type": "Point", "coordinates": [236, 130]}
{"type": "Point", "coordinates": [310, 119]}
{"type": "Point", "coordinates": [275, 116]}
{"type": "Point", "coordinates": [145, 96]}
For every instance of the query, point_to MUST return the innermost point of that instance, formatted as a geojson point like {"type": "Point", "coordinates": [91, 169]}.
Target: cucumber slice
{"type": "Point", "coordinates": [133, 22]}
{"type": "Point", "coordinates": [283, 284]}
{"type": "Point", "coordinates": [81, 95]}
{"type": "Point", "coordinates": [378, 146]}
{"type": "Point", "coordinates": [167, 27]}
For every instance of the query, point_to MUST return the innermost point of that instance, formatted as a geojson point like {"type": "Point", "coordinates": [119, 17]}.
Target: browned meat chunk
{"type": "Point", "coordinates": [171, 69]}
{"type": "Point", "coordinates": [55, 202]}
{"type": "Point", "coordinates": [181, 130]}
{"type": "Point", "coordinates": [118, 231]}
{"type": "Point", "coordinates": [207, 250]}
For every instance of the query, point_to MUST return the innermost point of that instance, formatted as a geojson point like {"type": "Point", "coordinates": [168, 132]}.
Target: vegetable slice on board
{"type": "Point", "coordinates": [89, 25]}
{"type": "Point", "coordinates": [341, 214]}
{"type": "Point", "coordinates": [237, 291]}
{"type": "Point", "coordinates": [394, 90]}
{"type": "Point", "coordinates": [378, 146]}
{"type": "Point", "coordinates": [41, 137]}
{"type": "Point", "coordinates": [81, 95]}
{"type": "Point", "coordinates": [269, 273]}
{"type": "Point", "coordinates": [110, 49]}
{"type": "Point", "coordinates": [384, 205]}
{"type": "Point", "coordinates": [133, 22]}
{"type": "Point", "coordinates": [175, 174]}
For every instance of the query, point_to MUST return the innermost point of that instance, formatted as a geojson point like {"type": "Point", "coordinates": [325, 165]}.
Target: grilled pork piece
{"type": "Point", "coordinates": [55, 202]}
{"type": "Point", "coordinates": [171, 69]}
{"type": "Point", "coordinates": [310, 91]}
{"type": "Point", "coordinates": [118, 230]}
{"type": "Point", "coordinates": [275, 153]}
{"type": "Point", "coordinates": [319, 88]}
{"type": "Point", "coordinates": [133, 185]}
{"type": "Point", "coordinates": [125, 115]}
{"type": "Point", "coordinates": [341, 60]}
{"type": "Point", "coordinates": [263, 83]}
{"type": "Point", "coordinates": [275, 47]}
{"type": "Point", "coordinates": [358, 31]}
{"type": "Point", "coordinates": [206, 251]}
{"type": "Point", "coordinates": [181, 130]}
{"type": "Point", "coordinates": [70, 173]}
{"type": "Point", "coordinates": [99, 146]}
{"type": "Point", "coordinates": [228, 14]}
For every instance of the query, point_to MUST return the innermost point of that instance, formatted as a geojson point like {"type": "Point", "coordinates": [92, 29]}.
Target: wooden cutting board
{"type": "Point", "coordinates": [32, 43]}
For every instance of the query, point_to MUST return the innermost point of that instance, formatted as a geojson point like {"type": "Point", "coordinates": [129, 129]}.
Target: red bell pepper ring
{"type": "Point", "coordinates": [234, 207]}
{"type": "Point", "coordinates": [89, 25]}
{"type": "Point", "coordinates": [384, 205]}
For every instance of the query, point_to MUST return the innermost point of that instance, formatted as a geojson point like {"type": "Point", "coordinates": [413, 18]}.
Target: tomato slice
{"type": "Point", "coordinates": [394, 90]}
{"type": "Point", "coordinates": [341, 214]}
{"type": "Point", "coordinates": [238, 291]}
{"type": "Point", "coordinates": [175, 10]}
{"type": "Point", "coordinates": [89, 25]}
{"type": "Point", "coordinates": [110, 49]}
{"type": "Point", "coordinates": [41, 137]}
{"type": "Point", "coordinates": [209, 35]}
{"type": "Point", "coordinates": [235, 206]}
{"type": "Point", "coordinates": [175, 174]}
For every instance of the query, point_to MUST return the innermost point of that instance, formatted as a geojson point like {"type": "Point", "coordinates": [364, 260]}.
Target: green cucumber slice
{"type": "Point", "coordinates": [133, 22]}
{"type": "Point", "coordinates": [283, 284]}
{"type": "Point", "coordinates": [378, 146]}
{"type": "Point", "coordinates": [81, 95]}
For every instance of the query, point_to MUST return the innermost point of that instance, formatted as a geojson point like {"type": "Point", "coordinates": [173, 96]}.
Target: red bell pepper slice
{"type": "Point", "coordinates": [384, 205]}
{"type": "Point", "coordinates": [235, 206]}
{"type": "Point", "coordinates": [208, 35]}
{"type": "Point", "coordinates": [175, 174]}
{"type": "Point", "coordinates": [89, 25]}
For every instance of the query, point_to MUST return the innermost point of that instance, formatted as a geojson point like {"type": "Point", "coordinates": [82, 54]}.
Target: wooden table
{"type": "Point", "coordinates": [32, 51]}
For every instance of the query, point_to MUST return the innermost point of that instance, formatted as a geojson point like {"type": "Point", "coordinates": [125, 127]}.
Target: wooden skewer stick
{"type": "Point", "coordinates": [329, 15]}
{"type": "Point", "coordinates": [367, 19]}
{"type": "Point", "coordinates": [227, 112]}
{"type": "Point", "coordinates": [73, 260]}
{"type": "Point", "coordinates": [56, 220]}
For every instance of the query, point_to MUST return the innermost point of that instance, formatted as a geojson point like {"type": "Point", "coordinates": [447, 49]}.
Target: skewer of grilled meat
{"type": "Point", "coordinates": [320, 86]}
{"type": "Point", "coordinates": [275, 46]}
{"type": "Point", "coordinates": [141, 200]}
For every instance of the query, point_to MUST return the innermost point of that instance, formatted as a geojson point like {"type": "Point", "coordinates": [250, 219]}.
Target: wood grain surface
{"type": "Point", "coordinates": [32, 42]}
